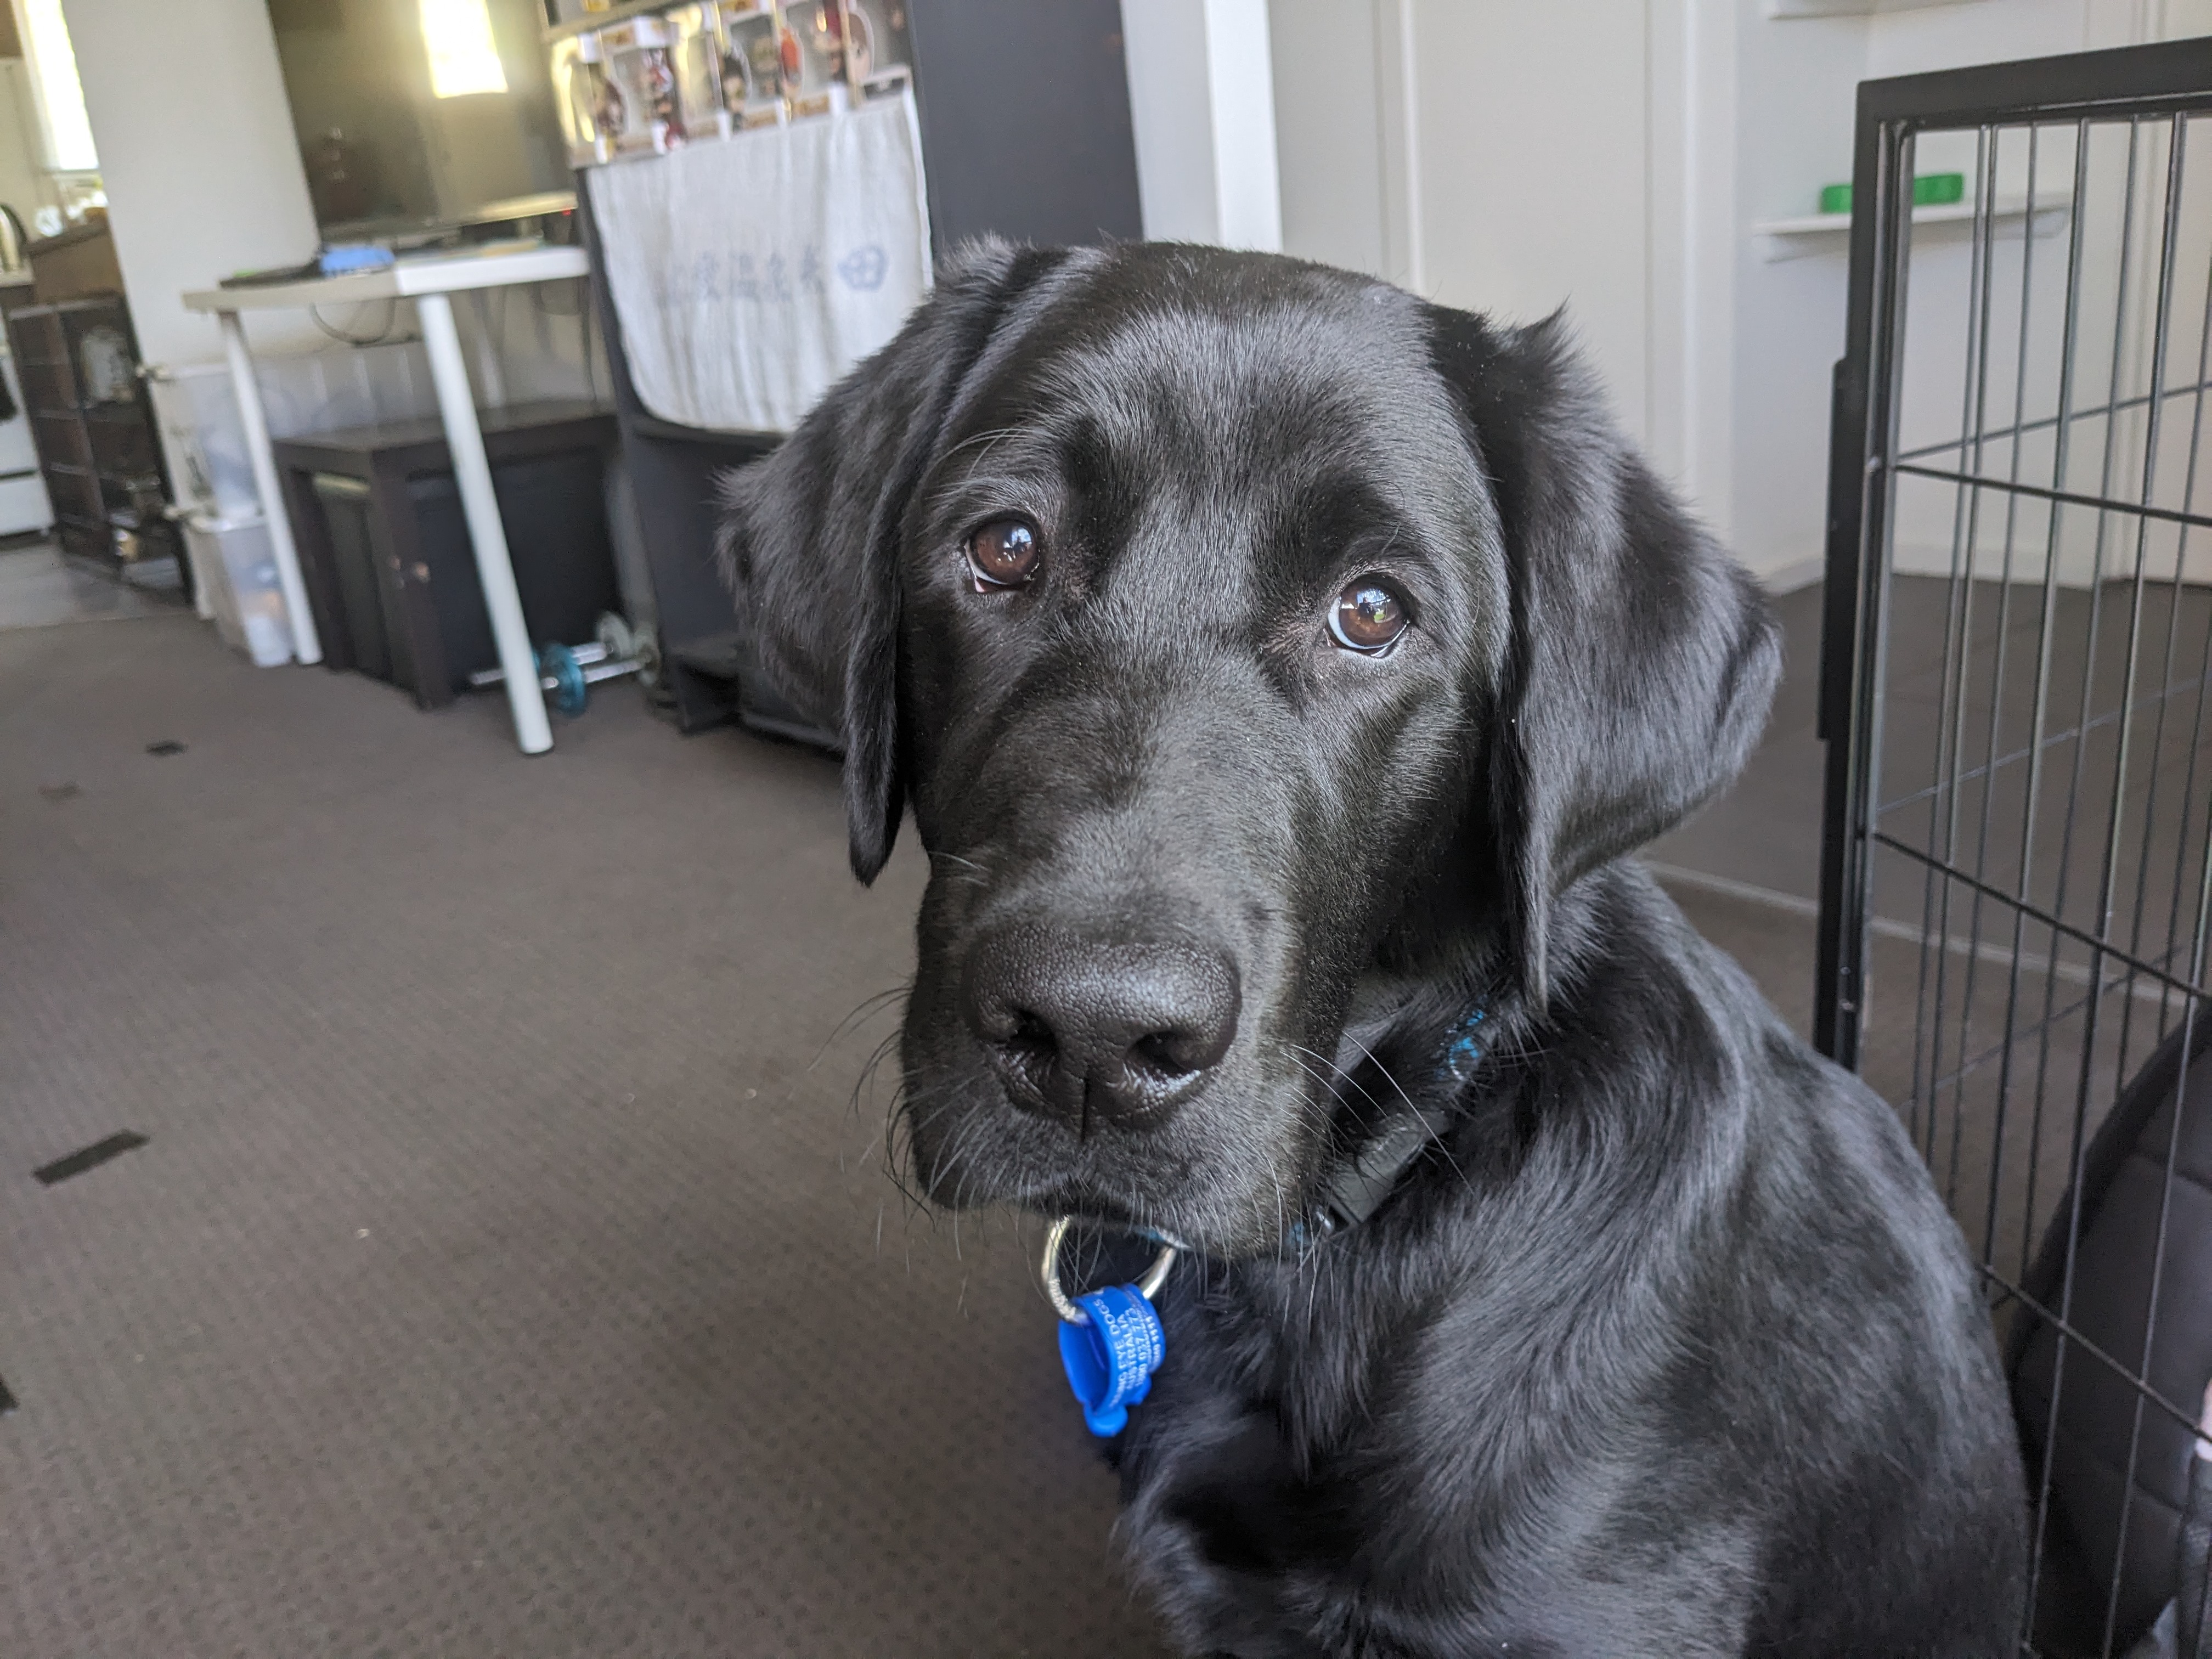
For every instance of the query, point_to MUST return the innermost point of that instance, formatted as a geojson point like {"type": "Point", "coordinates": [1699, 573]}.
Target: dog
{"type": "Point", "coordinates": [1277, 668]}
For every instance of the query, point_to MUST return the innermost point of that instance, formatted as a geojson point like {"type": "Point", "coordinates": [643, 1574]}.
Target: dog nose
{"type": "Point", "coordinates": [1094, 1032]}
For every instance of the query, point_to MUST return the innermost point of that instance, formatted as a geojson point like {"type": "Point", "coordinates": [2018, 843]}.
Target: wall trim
{"type": "Point", "coordinates": [1690, 234]}
{"type": "Point", "coordinates": [1397, 114]}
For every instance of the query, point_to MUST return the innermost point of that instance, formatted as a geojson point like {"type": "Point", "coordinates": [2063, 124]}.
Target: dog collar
{"type": "Point", "coordinates": [1111, 1340]}
{"type": "Point", "coordinates": [1356, 1189]}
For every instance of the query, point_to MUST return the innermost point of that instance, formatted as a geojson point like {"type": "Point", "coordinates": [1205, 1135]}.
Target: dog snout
{"type": "Point", "coordinates": [1095, 1032]}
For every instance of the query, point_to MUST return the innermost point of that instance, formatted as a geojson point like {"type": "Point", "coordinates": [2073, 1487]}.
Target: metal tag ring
{"type": "Point", "coordinates": [1154, 1276]}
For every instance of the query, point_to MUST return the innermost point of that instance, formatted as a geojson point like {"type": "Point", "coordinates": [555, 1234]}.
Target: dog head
{"type": "Point", "coordinates": [1262, 653]}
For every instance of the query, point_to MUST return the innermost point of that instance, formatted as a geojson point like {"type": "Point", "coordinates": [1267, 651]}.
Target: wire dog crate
{"type": "Point", "coordinates": [2017, 860]}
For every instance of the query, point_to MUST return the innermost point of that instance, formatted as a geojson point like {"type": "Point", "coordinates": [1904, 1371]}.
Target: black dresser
{"type": "Point", "coordinates": [384, 551]}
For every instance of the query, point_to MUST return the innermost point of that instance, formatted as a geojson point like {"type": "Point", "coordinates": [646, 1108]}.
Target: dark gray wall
{"type": "Point", "coordinates": [1025, 119]}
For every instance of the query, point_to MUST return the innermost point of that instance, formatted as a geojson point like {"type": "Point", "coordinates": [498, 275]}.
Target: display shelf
{"type": "Point", "coordinates": [552, 31]}
{"type": "Point", "coordinates": [1827, 232]}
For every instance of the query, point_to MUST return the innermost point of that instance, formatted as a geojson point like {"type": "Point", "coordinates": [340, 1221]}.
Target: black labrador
{"type": "Point", "coordinates": [1277, 668]}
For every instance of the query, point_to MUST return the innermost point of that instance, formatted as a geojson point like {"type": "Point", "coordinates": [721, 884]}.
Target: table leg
{"type": "Point", "coordinates": [491, 373]}
{"type": "Point", "coordinates": [487, 535]}
{"type": "Point", "coordinates": [307, 644]}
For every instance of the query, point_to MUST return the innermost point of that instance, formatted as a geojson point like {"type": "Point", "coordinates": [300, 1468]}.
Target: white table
{"type": "Point", "coordinates": [428, 282]}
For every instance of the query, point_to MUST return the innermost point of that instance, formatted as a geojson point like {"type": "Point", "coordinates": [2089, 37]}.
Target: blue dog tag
{"type": "Point", "coordinates": [1110, 1358]}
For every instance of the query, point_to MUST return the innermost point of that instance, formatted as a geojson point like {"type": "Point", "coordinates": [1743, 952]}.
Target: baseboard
{"type": "Point", "coordinates": [1675, 875]}
{"type": "Point", "coordinates": [2072, 973]}
{"type": "Point", "coordinates": [1798, 572]}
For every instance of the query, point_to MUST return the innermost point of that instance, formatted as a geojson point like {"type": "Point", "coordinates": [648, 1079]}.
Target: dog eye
{"type": "Point", "coordinates": [1004, 553]}
{"type": "Point", "coordinates": [1367, 617]}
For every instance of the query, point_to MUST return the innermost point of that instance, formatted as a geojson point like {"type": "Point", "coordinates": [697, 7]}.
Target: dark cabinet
{"type": "Point", "coordinates": [384, 550]}
{"type": "Point", "coordinates": [93, 423]}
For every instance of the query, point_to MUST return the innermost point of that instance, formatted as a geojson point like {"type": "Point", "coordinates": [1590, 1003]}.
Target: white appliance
{"type": "Point", "coordinates": [23, 503]}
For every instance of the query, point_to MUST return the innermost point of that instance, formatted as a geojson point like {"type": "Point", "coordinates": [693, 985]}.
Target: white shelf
{"type": "Point", "coordinates": [1849, 8]}
{"type": "Point", "coordinates": [1827, 232]}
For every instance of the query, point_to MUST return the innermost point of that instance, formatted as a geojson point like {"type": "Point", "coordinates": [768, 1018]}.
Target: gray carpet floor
{"type": "Point", "coordinates": [511, 1268]}
{"type": "Point", "coordinates": [39, 588]}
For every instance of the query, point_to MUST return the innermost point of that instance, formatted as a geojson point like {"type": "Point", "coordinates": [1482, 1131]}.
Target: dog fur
{"type": "Point", "coordinates": [1665, 1344]}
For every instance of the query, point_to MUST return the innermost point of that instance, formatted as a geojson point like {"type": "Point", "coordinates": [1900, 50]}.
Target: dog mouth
{"type": "Point", "coordinates": [983, 1148]}
{"type": "Point", "coordinates": [1117, 1050]}
{"type": "Point", "coordinates": [1220, 1176]}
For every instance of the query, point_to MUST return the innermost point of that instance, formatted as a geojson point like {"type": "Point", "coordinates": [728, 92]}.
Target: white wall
{"type": "Point", "coordinates": [196, 150]}
{"type": "Point", "coordinates": [1203, 105]}
{"type": "Point", "coordinates": [24, 185]}
{"type": "Point", "coordinates": [1614, 156]}
{"type": "Point", "coordinates": [1795, 88]}
{"type": "Point", "coordinates": [1532, 127]}
{"type": "Point", "coordinates": [1327, 132]}
{"type": "Point", "coordinates": [1795, 92]}
{"type": "Point", "coordinates": [1513, 159]}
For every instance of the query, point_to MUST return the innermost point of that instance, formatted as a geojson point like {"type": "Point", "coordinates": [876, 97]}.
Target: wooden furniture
{"type": "Point", "coordinates": [79, 264]}
{"type": "Point", "coordinates": [93, 423]}
{"type": "Point", "coordinates": [384, 549]}
{"type": "Point", "coordinates": [429, 281]}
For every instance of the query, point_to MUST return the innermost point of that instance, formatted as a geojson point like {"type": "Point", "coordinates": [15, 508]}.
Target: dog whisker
{"type": "Point", "coordinates": [987, 440]}
{"type": "Point", "coordinates": [1320, 1078]}
{"type": "Point", "coordinates": [1388, 1077]}
{"type": "Point", "coordinates": [867, 1007]}
{"type": "Point", "coordinates": [1346, 1075]}
{"type": "Point", "coordinates": [955, 858]}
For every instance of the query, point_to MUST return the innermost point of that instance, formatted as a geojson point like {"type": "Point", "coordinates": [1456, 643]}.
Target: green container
{"type": "Point", "coordinates": [1928, 190]}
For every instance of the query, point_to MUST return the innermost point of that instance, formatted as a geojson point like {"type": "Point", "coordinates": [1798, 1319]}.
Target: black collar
{"type": "Point", "coordinates": [1356, 1188]}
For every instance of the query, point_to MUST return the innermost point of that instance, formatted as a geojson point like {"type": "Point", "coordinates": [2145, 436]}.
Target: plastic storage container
{"type": "Point", "coordinates": [234, 572]}
{"type": "Point", "coordinates": [302, 392]}
{"type": "Point", "coordinates": [205, 439]}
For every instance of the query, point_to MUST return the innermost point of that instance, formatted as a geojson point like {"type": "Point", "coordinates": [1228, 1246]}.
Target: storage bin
{"type": "Point", "coordinates": [384, 550]}
{"type": "Point", "coordinates": [206, 440]}
{"type": "Point", "coordinates": [302, 392]}
{"type": "Point", "coordinates": [234, 572]}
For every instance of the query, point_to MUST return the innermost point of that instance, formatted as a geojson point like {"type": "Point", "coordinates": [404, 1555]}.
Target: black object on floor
{"type": "Point", "coordinates": [2142, 1194]}
{"type": "Point", "coordinates": [165, 747]}
{"type": "Point", "coordinates": [90, 1158]}
{"type": "Point", "coordinates": [7, 1400]}
{"type": "Point", "coordinates": [716, 676]}
{"type": "Point", "coordinates": [384, 551]}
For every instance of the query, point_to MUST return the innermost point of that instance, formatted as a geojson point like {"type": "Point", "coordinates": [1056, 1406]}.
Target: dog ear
{"type": "Point", "coordinates": [809, 539]}
{"type": "Point", "coordinates": [1642, 657]}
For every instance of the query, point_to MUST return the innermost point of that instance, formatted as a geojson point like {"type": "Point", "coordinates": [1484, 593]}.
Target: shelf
{"type": "Point", "coordinates": [1830, 232]}
{"type": "Point", "coordinates": [1849, 7]}
{"type": "Point", "coordinates": [623, 13]}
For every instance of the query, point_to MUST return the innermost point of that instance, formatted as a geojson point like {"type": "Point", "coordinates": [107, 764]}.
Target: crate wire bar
{"type": "Point", "coordinates": [2017, 648]}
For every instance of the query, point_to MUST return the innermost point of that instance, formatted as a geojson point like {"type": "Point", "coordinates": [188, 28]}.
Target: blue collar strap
{"type": "Point", "coordinates": [1111, 1340]}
